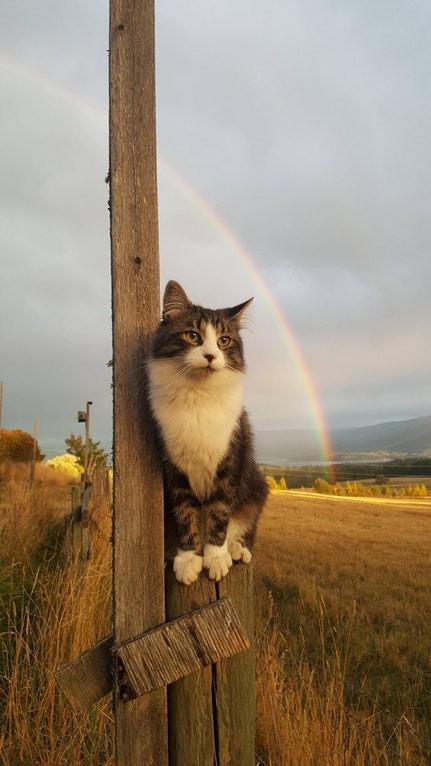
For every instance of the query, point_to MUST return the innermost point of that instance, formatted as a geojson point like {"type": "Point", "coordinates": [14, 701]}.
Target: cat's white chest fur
{"type": "Point", "coordinates": [197, 416]}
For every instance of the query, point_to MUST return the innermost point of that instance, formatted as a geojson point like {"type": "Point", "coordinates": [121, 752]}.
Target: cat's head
{"type": "Point", "coordinates": [202, 341]}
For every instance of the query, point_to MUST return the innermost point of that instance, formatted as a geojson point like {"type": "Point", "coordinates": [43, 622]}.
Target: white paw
{"type": "Point", "coordinates": [187, 566]}
{"type": "Point", "coordinates": [217, 560]}
{"type": "Point", "coordinates": [239, 552]}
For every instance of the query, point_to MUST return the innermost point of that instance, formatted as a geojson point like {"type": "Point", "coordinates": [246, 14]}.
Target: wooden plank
{"type": "Point", "coordinates": [87, 678]}
{"type": "Point", "coordinates": [234, 682]}
{"type": "Point", "coordinates": [172, 651]}
{"type": "Point", "coordinates": [191, 719]}
{"type": "Point", "coordinates": [141, 726]}
{"type": "Point", "coordinates": [212, 712]}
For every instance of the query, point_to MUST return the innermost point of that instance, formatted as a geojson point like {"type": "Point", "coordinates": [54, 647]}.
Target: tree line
{"type": "Point", "coordinates": [17, 446]}
{"type": "Point", "coordinates": [305, 476]}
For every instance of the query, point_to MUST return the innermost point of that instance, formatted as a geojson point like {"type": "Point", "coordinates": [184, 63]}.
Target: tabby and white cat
{"type": "Point", "coordinates": [214, 491]}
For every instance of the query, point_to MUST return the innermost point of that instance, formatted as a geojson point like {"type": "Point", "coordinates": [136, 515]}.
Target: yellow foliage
{"type": "Point", "coordinates": [68, 464]}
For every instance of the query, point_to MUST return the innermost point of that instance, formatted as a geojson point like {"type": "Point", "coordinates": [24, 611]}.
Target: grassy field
{"type": "Point", "coordinates": [344, 641]}
{"type": "Point", "coordinates": [50, 611]}
{"type": "Point", "coordinates": [343, 611]}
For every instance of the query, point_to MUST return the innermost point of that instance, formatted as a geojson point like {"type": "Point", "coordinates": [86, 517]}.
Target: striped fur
{"type": "Point", "coordinates": [214, 491]}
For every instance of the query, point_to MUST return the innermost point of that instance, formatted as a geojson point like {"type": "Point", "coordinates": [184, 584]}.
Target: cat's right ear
{"type": "Point", "coordinates": [175, 300]}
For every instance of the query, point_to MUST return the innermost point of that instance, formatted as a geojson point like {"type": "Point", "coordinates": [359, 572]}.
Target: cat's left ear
{"type": "Point", "coordinates": [236, 312]}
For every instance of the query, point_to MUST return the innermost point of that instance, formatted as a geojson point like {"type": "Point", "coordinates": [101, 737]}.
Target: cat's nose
{"type": "Point", "coordinates": [209, 357]}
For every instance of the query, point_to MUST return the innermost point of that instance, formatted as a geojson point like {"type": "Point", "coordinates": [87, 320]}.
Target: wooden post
{"type": "Point", "coordinates": [212, 711]}
{"type": "Point", "coordinates": [141, 736]}
{"type": "Point", "coordinates": [33, 461]}
{"type": "Point", "coordinates": [211, 692]}
{"type": "Point", "coordinates": [74, 547]}
{"type": "Point", "coordinates": [87, 438]}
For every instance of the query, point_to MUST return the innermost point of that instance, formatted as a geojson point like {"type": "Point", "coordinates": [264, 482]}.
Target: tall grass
{"type": "Point", "coordinates": [342, 626]}
{"type": "Point", "coordinates": [343, 633]}
{"type": "Point", "coordinates": [52, 611]}
{"type": "Point", "coordinates": [307, 715]}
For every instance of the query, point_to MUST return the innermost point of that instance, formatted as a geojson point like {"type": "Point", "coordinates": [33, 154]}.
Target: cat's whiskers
{"type": "Point", "coordinates": [195, 375]}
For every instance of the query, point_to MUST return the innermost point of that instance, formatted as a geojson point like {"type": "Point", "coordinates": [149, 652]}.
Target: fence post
{"type": "Point", "coordinates": [212, 711]}
{"type": "Point", "coordinates": [141, 724]}
{"type": "Point", "coordinates": [211, 692]}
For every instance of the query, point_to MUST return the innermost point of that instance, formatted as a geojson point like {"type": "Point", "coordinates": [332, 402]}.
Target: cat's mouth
{"type": "Point", "coordinates": [201, 372]}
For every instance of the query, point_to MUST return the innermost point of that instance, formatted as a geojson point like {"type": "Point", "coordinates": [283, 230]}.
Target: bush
{"type": "Point", "coordinates": [271, 482]}
{"type": "Point", "coordinates": [68, 464]}
{"type": "Point", "coordinates": [382, 479]}
{"type": "Point", "coordinates": [322, 487]}
{"type": "Point", "coordinates": [17, 446]}
{"type": "Point", "coordinates": [416, 490]}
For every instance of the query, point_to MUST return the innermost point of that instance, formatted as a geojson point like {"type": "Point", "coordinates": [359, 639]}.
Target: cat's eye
{"type": "Point", "coordinates": [224, 341]}
{"type": "Point", "coordinates": [192, 337]}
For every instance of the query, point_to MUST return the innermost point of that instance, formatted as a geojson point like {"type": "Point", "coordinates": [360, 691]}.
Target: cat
{"type": "Point", "coordinates": [214, 490]}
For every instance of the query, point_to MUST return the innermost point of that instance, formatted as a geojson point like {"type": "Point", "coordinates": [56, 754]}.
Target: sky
{"type": "Point", "coordinates": [294, 166]}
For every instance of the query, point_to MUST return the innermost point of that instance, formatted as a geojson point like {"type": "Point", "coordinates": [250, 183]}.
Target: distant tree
{"type": "Point", "coordinates": [322, 487]}
{"type": "Point", "coordinates": [374, 490]}
{"type": "Point", "coordinates": [282, 485]}
{"type": "Point", "coordinates": [97, 457]}
{"type": "Point", "coordinates": [355, 488]}
{"type": "Point", "coordinates": [17, 446]}
{"type": "Point", "coordinates": [416, 490]}
{"type": "Point", "coordinates": [382, 479]}
{"type": "Point", "coordinates": [68, 464]}
{"type": "Point", "coordinates": [271, 482]}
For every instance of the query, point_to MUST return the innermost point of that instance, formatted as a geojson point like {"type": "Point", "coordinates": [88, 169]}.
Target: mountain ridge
{"type": "Point", "coordinates": [412, 436]}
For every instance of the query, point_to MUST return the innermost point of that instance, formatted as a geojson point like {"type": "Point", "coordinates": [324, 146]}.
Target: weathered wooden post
{"type": "Point", "coordinates": [211, 692]}
{"type": "Point", "coordinates": [138, 502]}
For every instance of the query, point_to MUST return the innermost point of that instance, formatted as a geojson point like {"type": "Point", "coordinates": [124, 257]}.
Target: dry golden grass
{"type": "Point", "coordinates": [343, 632]}
{"type": "Point", "coordinates": [52, 612]}
{"type": "Point", "coordinates": [343, 661]}
{"type": "Point", "coordinates": [10, 471]}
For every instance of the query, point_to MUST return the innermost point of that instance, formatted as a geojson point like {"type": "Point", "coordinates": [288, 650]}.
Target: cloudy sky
{"type": "Point", "coordinates": [294, 165]}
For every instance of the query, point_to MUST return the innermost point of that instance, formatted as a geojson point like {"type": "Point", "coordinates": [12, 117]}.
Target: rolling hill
{"type": "Point", "coordinates": [405, 437]}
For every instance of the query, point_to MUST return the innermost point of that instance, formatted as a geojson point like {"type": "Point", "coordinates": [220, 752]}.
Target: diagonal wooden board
{"type": "Point", "coordinates": [157, 657]}
{"type": "Point", "coordinates": [87, 678]}
{"type": "Point", "coordinates": [163, 655]}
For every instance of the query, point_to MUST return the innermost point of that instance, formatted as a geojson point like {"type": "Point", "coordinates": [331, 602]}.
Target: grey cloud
{"type": "Point", "coordinates": [305, 127]}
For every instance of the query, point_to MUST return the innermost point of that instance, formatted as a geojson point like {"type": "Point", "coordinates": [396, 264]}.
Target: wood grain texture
{"type": "Point", "coordinates": [87, 678]}
{"type": "Point", "coordinates": [212, 711]}
{"type": "Point", "coordinates": [141, 727]}
{"type": "Point", "coordinates": [191, 721]}
{"type": "Point", "coordinates": [235, 678]}
{"type": "Point", "coordinates": [172, 651]}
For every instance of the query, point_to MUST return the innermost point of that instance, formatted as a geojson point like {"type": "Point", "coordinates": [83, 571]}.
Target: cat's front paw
{"type": "Point", "coordinates": [217, 560]}
{"type": "Point", "coordinates": [187, 566]}
{"type": "Point", "coordinates": [239, 552]}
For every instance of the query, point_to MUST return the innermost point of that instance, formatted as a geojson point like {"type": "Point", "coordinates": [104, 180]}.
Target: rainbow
{"type": "Point", "coordinates": [235, 246]}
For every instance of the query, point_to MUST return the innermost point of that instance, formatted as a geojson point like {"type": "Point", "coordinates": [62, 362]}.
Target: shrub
{"type": "Point", "coordinates": [382, 479]}
{"type": "Point", "coordinates": [322, 487]}
{"type": "Point", "coordinates": [68, 464]}
{"type": "Point", "coordinates": [18, 446]}
{"type": "Point", "coordinates": [271, 482]}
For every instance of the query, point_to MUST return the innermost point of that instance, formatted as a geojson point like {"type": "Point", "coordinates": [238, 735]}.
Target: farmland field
{"type": "Point", "coordinates": [344, 640]}
{"type": "Point", "coordinates": [343, 633]}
